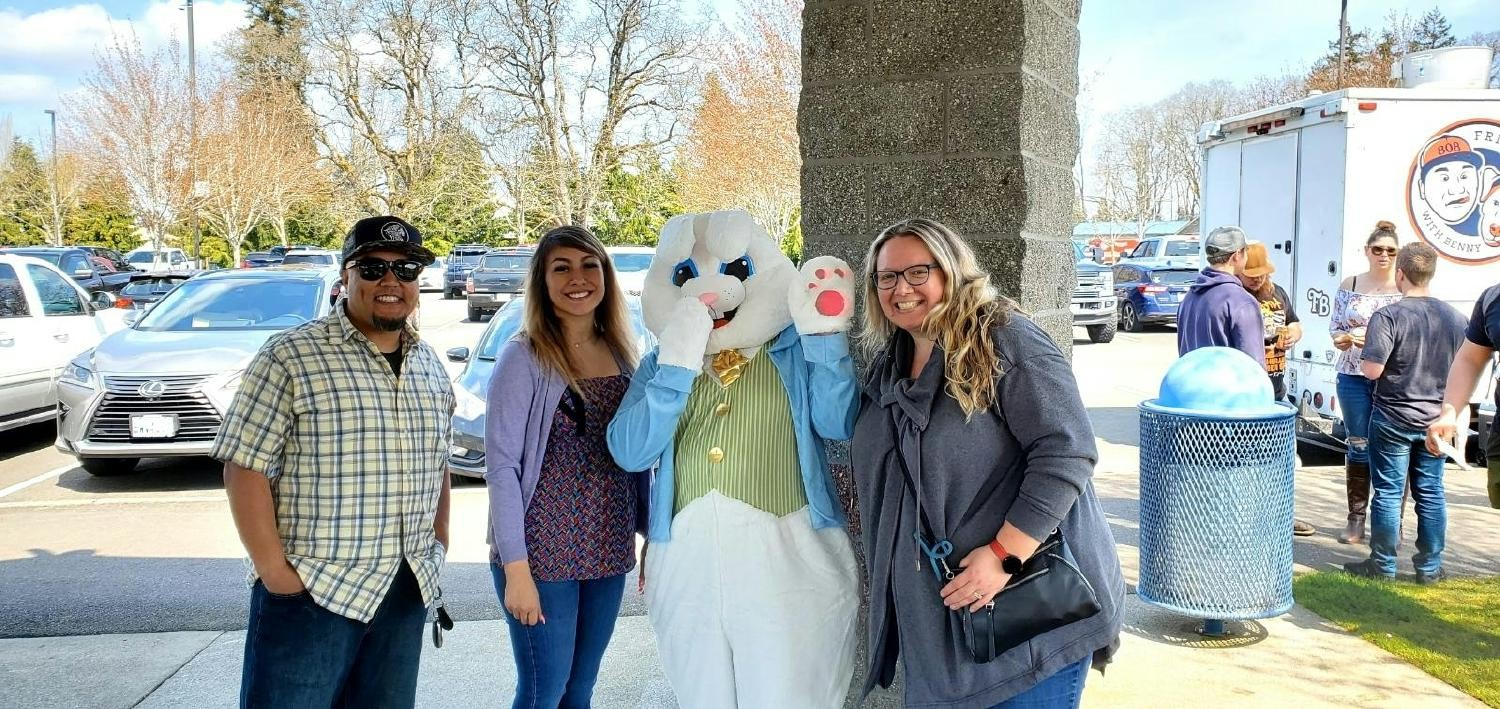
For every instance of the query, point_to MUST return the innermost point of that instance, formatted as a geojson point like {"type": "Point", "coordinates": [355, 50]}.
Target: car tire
{"type": "Point", "coordinates": [448, 294]}
{"type": "Point", "coordinates": [1130, 318]}
{"type": "Point", "coordinates": [1102, 333]}
{"type": "Point", "coordinates": [108, 467]}
{"type": "Point", "coordinates": [475, 314]}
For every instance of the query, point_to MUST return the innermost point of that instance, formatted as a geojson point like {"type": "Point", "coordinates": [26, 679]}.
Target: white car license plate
{"type": "Point", "coordinates": [153, 426]}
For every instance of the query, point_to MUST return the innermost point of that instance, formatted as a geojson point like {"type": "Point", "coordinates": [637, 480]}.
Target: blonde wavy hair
{"type": "Point", "coordinates": [961, 323]}
{"type": "Point", "coordinates": [543, 329]}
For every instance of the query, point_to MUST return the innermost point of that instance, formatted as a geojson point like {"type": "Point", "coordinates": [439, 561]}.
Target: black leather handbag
{"type": "Point", "coordinates": [1049, 592]}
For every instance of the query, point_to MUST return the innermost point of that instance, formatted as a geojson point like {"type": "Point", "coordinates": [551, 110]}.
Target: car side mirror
{"type": "Point", "coordinates": [83, 273]}
{"type": "Point", "coordinates": [458, 354]}
{"type": "Point", "coordinates": [102, 301]}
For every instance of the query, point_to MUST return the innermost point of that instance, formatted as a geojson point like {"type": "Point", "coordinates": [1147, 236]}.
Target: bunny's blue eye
{"type": "Point", "coordinates": [741, 268]}
{"type": "Point", "coordinates": [684, 272]}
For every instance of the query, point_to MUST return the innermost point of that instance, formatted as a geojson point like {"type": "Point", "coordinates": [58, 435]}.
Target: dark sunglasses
{"type": "Point", "coordinates": [373, 269]}
{"type": "Point", "coordinates": [1383, 250]}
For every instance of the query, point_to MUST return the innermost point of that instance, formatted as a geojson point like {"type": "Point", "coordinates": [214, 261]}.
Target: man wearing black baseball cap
{"type": "Point", "coordinates": [335, 462]}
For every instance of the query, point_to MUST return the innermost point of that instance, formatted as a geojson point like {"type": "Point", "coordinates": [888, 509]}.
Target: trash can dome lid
{"type": "Point", "coordinates": [1218, 380]}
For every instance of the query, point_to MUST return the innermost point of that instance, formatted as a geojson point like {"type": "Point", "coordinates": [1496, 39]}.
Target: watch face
{"type": "Point", "coordinates": [1011, 564]}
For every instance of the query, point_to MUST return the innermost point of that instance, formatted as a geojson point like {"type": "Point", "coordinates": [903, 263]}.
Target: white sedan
{"type": "Point", "coordinates": [45, 321]}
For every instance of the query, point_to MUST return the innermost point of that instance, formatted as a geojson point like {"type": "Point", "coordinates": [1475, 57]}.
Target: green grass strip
{"type": "Point", "coordinates": [1450, 630]}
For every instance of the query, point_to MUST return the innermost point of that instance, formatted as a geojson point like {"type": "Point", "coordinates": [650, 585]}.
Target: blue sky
{"type": "Point", "coordinates": [1132, 52]}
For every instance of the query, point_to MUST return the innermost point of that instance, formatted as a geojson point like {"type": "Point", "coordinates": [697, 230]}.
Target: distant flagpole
{"type": "Point", "coordinates": [1343, 38]}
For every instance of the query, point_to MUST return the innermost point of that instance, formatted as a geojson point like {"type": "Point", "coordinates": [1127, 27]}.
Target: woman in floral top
{"type": "Point", "coordinates": [563, 516]}
{"type": "Point", "coordinates": [1358, 298]}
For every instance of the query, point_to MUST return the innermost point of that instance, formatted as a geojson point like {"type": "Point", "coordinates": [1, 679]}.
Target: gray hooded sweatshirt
{"type": "Point", "coordinates": [1028, 460]}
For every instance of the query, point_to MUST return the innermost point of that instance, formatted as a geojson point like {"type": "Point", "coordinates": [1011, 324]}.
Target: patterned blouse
{"type": "Point", "coordinates": [581, 521]}
{"type": "Point", "coordinates": [1353, 310]}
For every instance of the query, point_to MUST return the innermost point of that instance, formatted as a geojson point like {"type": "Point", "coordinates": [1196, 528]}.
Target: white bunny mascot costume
{"type": "Point", "coordinates": [750, 578]}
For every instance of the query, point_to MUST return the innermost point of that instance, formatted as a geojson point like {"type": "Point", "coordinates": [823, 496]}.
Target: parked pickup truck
{"type": "Point", "coordinates": [1093, 302]}
{"type": "Point", "coordinates": [496, 280]}
{"type": "Point", "coordinates": [94, 276]}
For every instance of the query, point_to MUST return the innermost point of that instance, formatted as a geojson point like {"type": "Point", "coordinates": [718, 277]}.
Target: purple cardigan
{"type": "Point", "coordinates": [521, 402]}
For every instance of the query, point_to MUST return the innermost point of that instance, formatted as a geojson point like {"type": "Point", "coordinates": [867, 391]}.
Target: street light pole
{"type": "Point", "coordinates": [56, 207]}
{"type": "Point", "coordinates": [193, 138]}
{"type": "Point", "coordinates": [1343, 39]}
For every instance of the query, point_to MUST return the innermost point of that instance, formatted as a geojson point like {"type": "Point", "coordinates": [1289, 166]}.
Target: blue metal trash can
{"type": "Point", "coordinates": [1217, 459]}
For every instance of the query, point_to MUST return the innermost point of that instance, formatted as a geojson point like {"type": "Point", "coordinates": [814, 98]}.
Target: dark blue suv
{"type": "Point", "coordinates": [1150, 294]}
{"type": "Point", "coordinates": [461, 262]}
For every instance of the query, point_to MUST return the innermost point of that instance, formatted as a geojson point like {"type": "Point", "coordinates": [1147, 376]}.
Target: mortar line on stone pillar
{"type": "Point", "coordinates": [1029, 155]}
{"type": "Point", "coordinates": [1000, 70]}
{"type": "Point", "coordinates": [907, 158]}
{"type": "Point", "coordinates": [1027, 71]}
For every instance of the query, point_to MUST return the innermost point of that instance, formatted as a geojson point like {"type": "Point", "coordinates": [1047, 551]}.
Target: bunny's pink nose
{"type": "Point", "coordinates": [709, 299]}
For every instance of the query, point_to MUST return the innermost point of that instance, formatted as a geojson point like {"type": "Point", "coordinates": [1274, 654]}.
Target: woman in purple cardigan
{"type": "Point", "coordinates": [563, 516]}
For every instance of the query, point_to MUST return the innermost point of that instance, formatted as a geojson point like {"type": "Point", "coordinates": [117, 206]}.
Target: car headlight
{"type": "Point", "coordinates": [469, 406]}
{"type": "Point", "coordinates": [80, 371]}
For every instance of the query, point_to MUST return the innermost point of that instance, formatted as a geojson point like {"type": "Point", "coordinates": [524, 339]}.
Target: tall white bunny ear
{"type": "Point", "coordinates": [678, 230]}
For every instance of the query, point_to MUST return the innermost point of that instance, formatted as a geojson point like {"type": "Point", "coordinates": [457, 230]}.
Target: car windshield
{"type": "Point", "coordinates": [236, 304]}
{"type": "Point", "coordinates": [626, 263]}
{"type": "Point", "coordinates": [150, 286]}
{"type": "Point", "coordinates": [294, 259]}
{"type": "Point", "coordinates": [1182, 248]}
{"type": "Point", "coordinates": [502, 327]}
{"type": "Point", "coordinates": [506, 262]}
{"type": "Point", "coordinates": [1077, 251]}
{"type": "Point", "coordinates": [52, 257]}
{"type": "Point", "coordinates": [141, 257]}
{"type": "Point", "coordinates": [464, 260]}
{"type": "Point", "coordinates": [1174, 277]}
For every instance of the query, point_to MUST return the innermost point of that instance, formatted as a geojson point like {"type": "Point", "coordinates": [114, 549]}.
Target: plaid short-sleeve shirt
{"type": "Point", "coordinates": [355, 455]}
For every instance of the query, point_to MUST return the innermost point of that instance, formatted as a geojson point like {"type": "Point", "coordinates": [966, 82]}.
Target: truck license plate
{"type": "Point", "coordinates": [153, 426]}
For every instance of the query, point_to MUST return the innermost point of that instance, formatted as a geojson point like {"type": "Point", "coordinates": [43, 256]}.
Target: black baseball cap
{"type": "Point", "coordinates": [384, 233]}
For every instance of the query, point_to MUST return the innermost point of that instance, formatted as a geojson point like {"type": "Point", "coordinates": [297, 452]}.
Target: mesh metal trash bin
{"type": "Point", "coordinates": [1216, 491]}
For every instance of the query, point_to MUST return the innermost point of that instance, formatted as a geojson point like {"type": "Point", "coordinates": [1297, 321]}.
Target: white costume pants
{"type": "Point", "coordinates": [753, 610]}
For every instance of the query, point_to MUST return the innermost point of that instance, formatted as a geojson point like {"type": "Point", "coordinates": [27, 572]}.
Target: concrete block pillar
{"type": "Point", "coordinates": [959, 110]}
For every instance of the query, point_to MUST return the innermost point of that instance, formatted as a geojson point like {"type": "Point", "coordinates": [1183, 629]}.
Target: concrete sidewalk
{"type": "Point", "coordinates": [1296, 660]}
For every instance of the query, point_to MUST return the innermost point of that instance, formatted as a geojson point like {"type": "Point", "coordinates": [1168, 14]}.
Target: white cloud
{"type": "Point", "coordinates": [45, 54]}
{"type": "Point", "coordinates": [26, 88]}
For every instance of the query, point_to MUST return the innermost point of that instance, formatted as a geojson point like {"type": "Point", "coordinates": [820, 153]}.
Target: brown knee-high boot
{"type": "Point", "coordinates": [1357, 487]}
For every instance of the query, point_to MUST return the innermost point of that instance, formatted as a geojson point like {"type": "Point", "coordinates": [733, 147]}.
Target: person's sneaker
{"type": "Point", "coordinates": [1368, 570]}
{"type": "Point", "coordinates": [1432, 578]}
{"type": "Point", "coordinates": [1303, 529]}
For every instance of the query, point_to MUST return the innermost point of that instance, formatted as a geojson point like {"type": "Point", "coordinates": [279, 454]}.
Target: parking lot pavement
{"type": "Point", "coordinates": [126, 565]}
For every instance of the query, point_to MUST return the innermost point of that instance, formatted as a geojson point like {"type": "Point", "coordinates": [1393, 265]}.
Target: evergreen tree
{"type": "Point", "coordinates": [24, 198]}
{"type": "Point", "coordinates": [1432, 32]}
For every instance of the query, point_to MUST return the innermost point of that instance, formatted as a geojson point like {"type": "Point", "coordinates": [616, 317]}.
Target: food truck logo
{"type": "Point", "coordinates": [1453, 192]}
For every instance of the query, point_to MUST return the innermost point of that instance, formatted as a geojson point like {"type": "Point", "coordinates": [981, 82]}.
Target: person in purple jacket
{"type": "Point", "coordinates": [563, 515]}
{"type": "Point", "coordinates": [1218, 311]}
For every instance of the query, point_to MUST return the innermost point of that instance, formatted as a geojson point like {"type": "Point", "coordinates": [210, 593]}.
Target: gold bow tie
{"type": "Point", "coordinates": [729, 365]}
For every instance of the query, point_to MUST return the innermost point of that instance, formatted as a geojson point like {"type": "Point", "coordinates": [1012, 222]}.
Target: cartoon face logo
{"type": "Point", "coordinates": [1451, 177]}
{"type": "Point", "coordinates": [393, 231]}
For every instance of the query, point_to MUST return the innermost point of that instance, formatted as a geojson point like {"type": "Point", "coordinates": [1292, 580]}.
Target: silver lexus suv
{"type": "Point", "coordinates": [160, 387]}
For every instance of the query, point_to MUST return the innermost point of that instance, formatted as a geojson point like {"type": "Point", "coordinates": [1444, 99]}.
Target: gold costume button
{"type": "Point", "coordinates": [721, 410]}
{"type": "Point", "coordinates": [715, 454]}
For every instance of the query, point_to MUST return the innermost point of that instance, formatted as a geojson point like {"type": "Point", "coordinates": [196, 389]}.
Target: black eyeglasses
{"type": "Point", "coordinates": [914, 275]}
{"type": "Point", "coordinates": [373, 269]}
{"type": "Point", "coordinates": [1383, 250]}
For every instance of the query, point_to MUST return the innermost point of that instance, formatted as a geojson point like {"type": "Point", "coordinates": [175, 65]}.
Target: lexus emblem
{"type": "Point", "coordinates": [152, 389]}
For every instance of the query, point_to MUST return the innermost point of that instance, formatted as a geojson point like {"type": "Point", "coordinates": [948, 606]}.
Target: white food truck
{"type": "Point", "coordinates": [1312, 178]}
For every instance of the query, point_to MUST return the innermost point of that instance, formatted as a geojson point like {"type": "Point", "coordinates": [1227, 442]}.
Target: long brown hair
{"type": "Point", "coordinates": [961, 324]}
{"type": "Point", "coordinates": [541, 326]}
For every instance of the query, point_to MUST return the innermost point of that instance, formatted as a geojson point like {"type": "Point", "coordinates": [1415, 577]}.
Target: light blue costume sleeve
{"type": "Point", "coordinates": [832, 392]}
{"type": "Point", "coordinates": [646, 422]}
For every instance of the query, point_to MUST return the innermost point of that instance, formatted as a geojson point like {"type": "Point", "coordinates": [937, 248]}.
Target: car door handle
{"type": "Point", "coordinates": [7, 339]}
{"type": "Point", "coordinates": [61, 336]}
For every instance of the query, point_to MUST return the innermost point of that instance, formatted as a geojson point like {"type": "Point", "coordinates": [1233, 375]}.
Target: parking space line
{"type": "Point", "coordinates": [50, 474]}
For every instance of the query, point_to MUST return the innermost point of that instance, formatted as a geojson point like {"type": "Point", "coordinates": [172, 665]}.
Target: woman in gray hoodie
{"type": "Point", "coordinates": [983, 410]}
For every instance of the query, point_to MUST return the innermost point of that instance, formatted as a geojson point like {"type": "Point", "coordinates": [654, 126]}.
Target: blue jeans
{"type": "Point", "coordinates": [300, 654]}
{"type": "Point", "coordinates": [1355, 396]}
{"type": "Point", "coordinates": [1062, 690]}
{"type": "Point", "coordinates": [557, 662]}
{"type": "Point", "coordinates": [1395, 453]}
